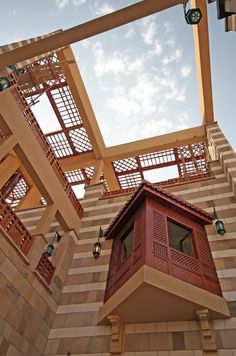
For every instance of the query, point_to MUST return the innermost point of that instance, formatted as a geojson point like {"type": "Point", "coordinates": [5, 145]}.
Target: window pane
{"type": "Point", "coordinates": [179, 238]}
{"type": "Point", "coordinates": [127, 244]}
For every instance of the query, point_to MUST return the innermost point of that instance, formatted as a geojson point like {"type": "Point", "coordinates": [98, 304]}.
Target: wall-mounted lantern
{"type": "Point", "coordinates": [50, 248]}
{"type": "Point", "coordinates": [192, 16]}
{"type": "Point", "coordinates": [4, 83]}
{"type": "Point", "coordinates": [97, 245]}
{"type": "Point", "coordinates": [220, 227]}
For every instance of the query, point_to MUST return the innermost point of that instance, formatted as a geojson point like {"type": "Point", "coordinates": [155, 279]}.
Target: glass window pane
{"type": "Point", "coordinates": [127, 244]}
{"type": "Point", "coordinates": [179, 238]}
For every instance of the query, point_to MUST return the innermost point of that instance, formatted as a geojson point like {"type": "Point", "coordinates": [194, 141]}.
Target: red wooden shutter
{"type": "Point", "coordinates": [160, 242]}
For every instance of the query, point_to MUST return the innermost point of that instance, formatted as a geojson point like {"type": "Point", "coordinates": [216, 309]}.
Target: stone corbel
{"type": "Point", "coordinates": [207, 333]}
{"type": "Point", "coordinates": [117, 331]}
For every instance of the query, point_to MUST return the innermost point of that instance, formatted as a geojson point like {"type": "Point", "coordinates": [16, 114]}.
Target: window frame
{"type": "Point", "coordinates": [190, 237]}
{"type": "Point", "coordinates": [123, 237]}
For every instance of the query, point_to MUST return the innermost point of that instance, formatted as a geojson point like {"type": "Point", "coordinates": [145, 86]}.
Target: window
{"type": "Point", "coordinates": [180, 238]}
{"type": "Point", "coordinates": [128, 243]}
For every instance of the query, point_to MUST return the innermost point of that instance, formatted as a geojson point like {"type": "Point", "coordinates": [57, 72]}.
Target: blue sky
{"type": "Point", "coordinates": [141, 78]}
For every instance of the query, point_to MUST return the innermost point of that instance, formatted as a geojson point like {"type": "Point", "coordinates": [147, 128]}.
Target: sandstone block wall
{"type": "Point", "coordinates": [65, 322]}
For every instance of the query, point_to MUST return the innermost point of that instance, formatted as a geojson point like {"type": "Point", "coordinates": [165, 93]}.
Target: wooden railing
{"type": "Point", "coordinates": [45, 269]}
{"type": "Point", "coordinates": [32, 122]}
{"type": "Point", "coordinates": [14, 227]}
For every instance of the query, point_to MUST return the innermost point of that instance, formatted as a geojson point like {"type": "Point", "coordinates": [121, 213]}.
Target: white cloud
{"type": "Point", "coordinates": [116, 63]}
{"type": "Point", "coordinates": [79, 2]}
{"type": "Point", "coordinates": [181, 95]}
{"type": "Point", "coordinates": [173, 57]}
{"type": "Point", "coordinates": [149, 32]}
{"type": "Point", "coordinates": [140, 98]}
{"type": "Point", "coordinates": [158, 48]}
{"type": "Point", "coordinates": [130, 33]}
{"type": "Point", "coordinates": [61, 3]}
{"type": "Point", "coordinates": [156, 127]}
{"type": "Point", "coordinates": [185, 71]}
{"type": "Point", "coordinates": [183, 121]}
{"type": "Point", "coordinates": [104, 9]}
{"type": "Point", "coordinates": [14, 12]}
{"type": "Point", "coordinates": [85, 43]}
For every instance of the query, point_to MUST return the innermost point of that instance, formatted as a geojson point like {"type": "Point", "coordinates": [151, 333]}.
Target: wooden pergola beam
{"type": "Point", "coordinates": [133, 149]}
{"type": "Point", "coordinates": [78, 162]}
{"type": "Point", "coordinates": [86, 30]}
{"type": "Point", "coordinates": [75, 82]}
{"type": "Point", "coordinates": [154, 144]}
{"type": "Point", "coordinates": [202, 57]}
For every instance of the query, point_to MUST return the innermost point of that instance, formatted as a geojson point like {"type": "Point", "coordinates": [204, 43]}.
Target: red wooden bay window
{"type": "Point", "coordinates": [160, 230]}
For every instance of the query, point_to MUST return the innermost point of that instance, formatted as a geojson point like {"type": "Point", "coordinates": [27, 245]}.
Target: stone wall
{"type": "Point", "coordinates": [27, 304]}
{"type": "Point", "coordinates": [75, 327]}
{"type": "Point", "coordinates": [66, 323]}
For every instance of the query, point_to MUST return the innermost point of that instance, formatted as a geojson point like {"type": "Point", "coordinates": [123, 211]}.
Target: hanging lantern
{"type": "Point", "coordinates": [97, 247]}
{"type": "Point", "coordinates": [220, 227]}
{"type": "Point", "coordinates": [192, 16]}
{"type": "Point", "coordinates": [4, 83]}
{"type": "Point", "coordinates": [49, 250]}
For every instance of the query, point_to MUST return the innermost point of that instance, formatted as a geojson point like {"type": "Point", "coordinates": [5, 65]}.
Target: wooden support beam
{"type": "Point", "coordinates": [78, 162]}
{"type": "Point", "coordinates": [32, 157]}
{"type": "Point", "coordinates": [6, 145]}
{"type": "Point", "coordinates": [109, 175]}
{"type": "Point", "coordinates": [202, 56]}
{"type": "Point", "coordinates": [86, 30]}
{"type": "Point", "coordinates": [75, 82]}
{"type": "Point", "coordinates": [30, 200]}
{"type": "Point", "coordinates": [7, 168]}
{"type": "Point", "coordinates": [46, 220]}
{"type": "Point", "coordinates": [97, 172]}
{"type": "Point", "coordinates": [154, 144]}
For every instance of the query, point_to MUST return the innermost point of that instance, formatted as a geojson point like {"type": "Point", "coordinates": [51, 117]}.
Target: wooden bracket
{"type": "Point", "coordinates": [117, 331]}
{"type": "Point", "coordinates": [207, 333]}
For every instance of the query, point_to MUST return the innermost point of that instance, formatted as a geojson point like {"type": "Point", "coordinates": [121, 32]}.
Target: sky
{"type": "Point", "coordinates": [140, 78]}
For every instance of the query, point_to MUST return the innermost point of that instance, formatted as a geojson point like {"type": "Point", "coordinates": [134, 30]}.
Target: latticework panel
{"type": "Point", "coordinates": [66, 106]}
{"type": "Point", "coordinates": [155, 159]}
{"type": "Point", "coordinates": [125, 165]}
{"type": "Point", "coordinates": [15, 196]}
{"type": "Point", "coordinates": [190, 160]}
{"type": "Point", "coordinates": [75, 176]}
{"type": "Point", "coordinates": [46, 76]}
{"type": "Point", "coordinates": [89, 172]}
{"type": "Point", "coordinates": [80, 140]}
{"type": "Point", "coordinates": [37, 77]}
{"type": "Point", "coordinates": [43, 201]}
{"type": "Point", "coordinates": [130, 180]}
{"type": "Point", "coordinates": [80, 176]}
{"type": "Point", "coordinates": [59, 144]}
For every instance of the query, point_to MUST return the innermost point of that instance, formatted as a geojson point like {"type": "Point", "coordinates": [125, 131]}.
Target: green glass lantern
{"type": "Point", "coordinates": [220, 227]}
{"type": "Point", "coordinates": [49, 250]}
{"type": "Point", "coordinates": [192, 16]}
{"type": "Point", "coordinates": [4, 83]}
{"type": "Point", "coordinates": [97, 247]}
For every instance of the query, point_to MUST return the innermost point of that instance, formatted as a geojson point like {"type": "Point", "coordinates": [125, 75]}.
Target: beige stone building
{"type": "Point", "coordinates": [181, 299]}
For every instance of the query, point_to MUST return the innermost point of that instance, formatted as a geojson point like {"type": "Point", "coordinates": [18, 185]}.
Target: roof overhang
{"type": "Point", "coordinates": [154, 192]}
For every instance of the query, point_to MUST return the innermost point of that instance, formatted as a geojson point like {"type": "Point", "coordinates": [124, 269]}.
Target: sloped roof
{"type": "Point", "coordinates": [164, 194]}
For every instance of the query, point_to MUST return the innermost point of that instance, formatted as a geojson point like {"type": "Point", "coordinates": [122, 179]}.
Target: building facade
{"type": "Point", "coordinates": [52, 286]}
